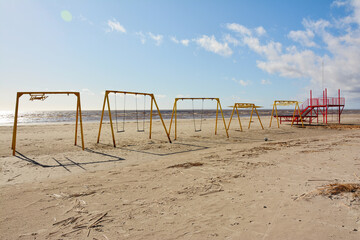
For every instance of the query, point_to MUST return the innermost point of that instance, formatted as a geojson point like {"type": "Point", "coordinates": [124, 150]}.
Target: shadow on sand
{"type": "Point", "coordinates": [70, 162]}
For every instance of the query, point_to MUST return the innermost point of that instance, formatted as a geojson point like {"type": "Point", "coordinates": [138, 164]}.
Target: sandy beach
{"type": "Point", "coordinates": [202, 186]}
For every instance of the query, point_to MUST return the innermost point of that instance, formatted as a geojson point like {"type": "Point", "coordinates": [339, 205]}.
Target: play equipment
{"type": "Point", "coordinates": [244, 106]}
{"type": "Point", "coordinates": [285, 103]}
{"type": "Point", "coordinates": [42, 96]}
{"type": "Point", "coordinates": [312, 108]}
{"type": "Point", "coordinates": [218, 106]}
{"type": "Point", "coordinates": [107, 101]}
{"type": "Point", "coordinates": [139, 128]}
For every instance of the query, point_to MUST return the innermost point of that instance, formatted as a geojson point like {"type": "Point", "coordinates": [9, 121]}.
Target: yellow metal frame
{"type": "Point", "coordinates": [245, 105]}
{"type": "Point", "coordinates": [285, 103]}
{"type": "Point", "coordinates": [106, 100]}
{"type": "Point", "coordinates": [42, 96]}
{"type": "Point", "coordinates": [174, 112]}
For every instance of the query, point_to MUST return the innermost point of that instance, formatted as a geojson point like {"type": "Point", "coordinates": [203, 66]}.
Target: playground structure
{"type": "Point", "coordinates": [244, 106]}
{"type": "Point", "coordinates": [218, 106]}
{"type": "Point", "coordinates": [42, 96]}
{"type": "Point", "coordinates": [153, 101]}
{"type": "Point", "coordinates": [285, 103]}
{"type": "Point", "coordinates": [312, 108]}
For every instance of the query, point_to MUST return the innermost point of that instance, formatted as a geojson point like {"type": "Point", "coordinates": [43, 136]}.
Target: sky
{"type": "Point", "coordinates": [253, 51]}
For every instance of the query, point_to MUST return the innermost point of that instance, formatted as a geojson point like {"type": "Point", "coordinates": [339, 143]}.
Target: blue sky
{"type": "Point", "coordinates": [240, 51]}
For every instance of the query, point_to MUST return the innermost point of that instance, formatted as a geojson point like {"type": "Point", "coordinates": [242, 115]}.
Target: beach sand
{"type": "Point", "coordinates": [202, 186]}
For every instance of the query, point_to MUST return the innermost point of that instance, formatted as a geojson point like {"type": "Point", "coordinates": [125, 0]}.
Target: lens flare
{"type": "Point", "coordinates": [66, 16]}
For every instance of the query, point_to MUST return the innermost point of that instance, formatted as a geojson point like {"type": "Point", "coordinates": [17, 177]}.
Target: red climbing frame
{"type": "Point", "coordinates": [313, 107]}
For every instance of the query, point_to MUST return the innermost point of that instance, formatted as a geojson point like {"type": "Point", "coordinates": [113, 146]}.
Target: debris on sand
{"type": "Point", "coordinates": [186, 165]}
{"type": "Point", "coordinates": [349, 191]}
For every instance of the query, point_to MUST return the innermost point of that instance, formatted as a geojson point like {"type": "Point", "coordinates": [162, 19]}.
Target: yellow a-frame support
{"type": "Point", "coordinates": [42, 96]}
{"type": "Point", "coordinates": [245, 105]}
{"type": "Point", "coordinates": [285, 103]}
{"type": "Point", "coordinates": [106, 100]}
{"type": "Point", "coordinates": [174, 112]}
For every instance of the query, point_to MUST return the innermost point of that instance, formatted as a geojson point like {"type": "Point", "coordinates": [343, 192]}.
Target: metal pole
{"type": "Point", "coordinates": [259, 118]}
{"type": "Point", "coordinates": [217, 112]}
{"type": "Point", "coordinates": [162, 120]}
{"type": "Point", "coordinates": [175, 119]}
{"type": "Point", "coordinates": [227, 134]}
{"type": "Point", "coordinates": [252, 110]}
{"type": "Point", "coordinates": [172, 116]}
{"type": "Point", "coordinates": [302, 123]}
{"type": "Point", "coordinates": [277, 117]}
{"type": "Point", "coordinates": [232, 113]}
{"type": "Point", "coordinates": [81, 125]}
{"type": "Point", "coordinates": [77, 117]}
{"type": "Point", "coordinates": [272, 114]}
{"type": "Point", "coordinates": [151, 115]}
{"type": "Point", "coordinates": [111, 124]}
{"type": "Point", "coordinates": [237, 112]}
{"type": "Point", "coordinates": [102, 116]}
{"type": "Point", "coordinates": [18, 95]}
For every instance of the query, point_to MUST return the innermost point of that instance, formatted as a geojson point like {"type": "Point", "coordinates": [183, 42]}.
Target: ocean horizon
{"type": "Point", "coordinates": [64, 116]}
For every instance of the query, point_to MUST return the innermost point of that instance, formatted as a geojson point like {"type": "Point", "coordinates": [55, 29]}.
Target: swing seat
{"type": "Point", "coordinates": [141, 130]}
{"type": "Point", "coordinates": [197, 130]}
{"type": "Point", "coordinates": [120, 131]}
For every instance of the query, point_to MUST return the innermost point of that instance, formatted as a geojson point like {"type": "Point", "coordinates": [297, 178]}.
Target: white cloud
{"type": "Point", "coordinates": [229, 39]}
{"type": "Point", "coordinates": [174, 39]}
{"type": "Point", "coordinates": [339, 3]}
{"type": "Point", "coordinates": [340, 45]}
{"type": "Point", "coordinates": [87, 91]}
{"type": "Point", "coordinates": [157, 38]}
{"type": "Point", "coordinates": [260, 31]}
{"type": "Point", "coordinates": [241, 82]}
{"type": "Point", "coordinates": [115, 26]}
{"type": "Point", "coordinates": [265, 82]}
{"type": "Point", "coordinates": [303, 37]}
{"type": "Point", "coordinates": [210, 44]}
{"type": "Point", "coordinates": [185, 42]}
{"type": "Point", "coordinates": [238, 28]}
{"type": "Point", "coordinates": [141, 36]}
{"type": "Point", "coordinates": [160, 96]}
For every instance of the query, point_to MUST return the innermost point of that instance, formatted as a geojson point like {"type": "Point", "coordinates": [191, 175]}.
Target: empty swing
{"type": "Point", "coordinates": [201, 115]}
{"type": "Point", "coordinates": [124, 116]}
{"type": "Point", "coordinates": [137, 115]}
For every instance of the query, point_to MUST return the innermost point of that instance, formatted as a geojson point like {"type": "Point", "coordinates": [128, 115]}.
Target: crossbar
{"type": "Point", "coordinates": [42, 95]}
{"type": "Point", "coordinates": [174, 113]}
{"type": "Point", "coordinates": [245, 105]}
{"type": "Point", "coordinates": [285, 103]}
{"type": "Point", "coordinates": [107, 102]}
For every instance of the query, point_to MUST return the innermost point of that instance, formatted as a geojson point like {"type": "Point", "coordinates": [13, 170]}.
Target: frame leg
{"type": "Point", "coordinates": [232, 113]}
{"type": "Point", "coordinates": [252, 111]}
{"type": "Point", "coordinates": [15, 123]}
{"type": "Point", "coordinates": [102, 117]}
{"type": "Point", "coordinates": [217, 113]}
{"type": "Point", "coordinates": [162, 120]}
{"type": "Point", "coordinates": [237, 112]}
{"type": "Point", "coordinates": [111, 124]}
{"type": "Point", "coordinates": [259, 118]}
{"type": "Point", "coordinates": [81, 125]}
{"type": "Point", "coordinates": [222, 114]}
{"type": "Point", "coordinates": [272, 114]}
{"type": "Point", "coordinates": [151, 116]}
{"type": "Point", "coordinates": [77, 118]}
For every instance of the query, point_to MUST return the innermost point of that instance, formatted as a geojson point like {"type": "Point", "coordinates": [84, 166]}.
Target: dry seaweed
{"type": "Point", "coordinates": [186, 165]}
{"type": "Point", "coordinates": [335, 190]}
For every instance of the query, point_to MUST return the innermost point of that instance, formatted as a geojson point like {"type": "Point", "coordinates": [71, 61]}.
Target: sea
{"type": "Point", "coordinates": [53, 117]}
